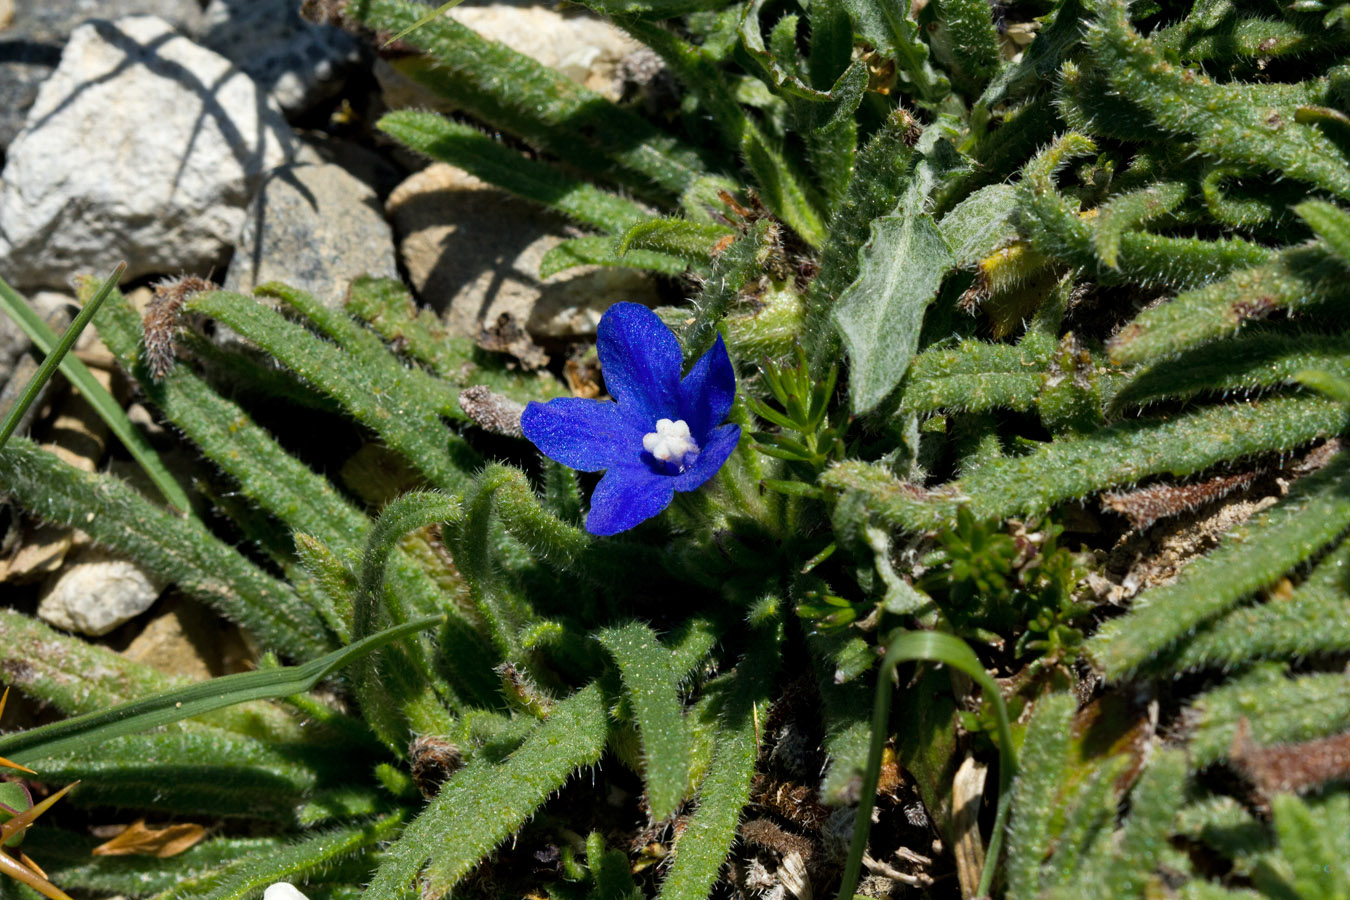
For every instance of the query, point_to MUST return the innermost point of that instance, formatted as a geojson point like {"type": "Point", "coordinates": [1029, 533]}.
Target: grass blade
{"type": "Point", "coordinates": [904, 646]}
{"type": "Point", "coordinates": [103, 403]}
{"type": "Point", "coordinates": [87, 731]}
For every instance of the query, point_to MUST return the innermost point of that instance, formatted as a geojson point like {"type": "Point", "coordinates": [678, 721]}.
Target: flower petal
{"type": "Point", "coordinates": [587, 435]}
{"type": "Point", "coordinates": [707, 392]}
{"type": "Point", "coordinates": [626, 496]}
{"type": "Point", "coordinates": [714, 454]}
{"type": "Point", "coordinates": [641, 362]}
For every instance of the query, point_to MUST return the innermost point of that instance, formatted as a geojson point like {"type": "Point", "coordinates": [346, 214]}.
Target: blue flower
{"type": "Point", "coordinates": [662, 434]}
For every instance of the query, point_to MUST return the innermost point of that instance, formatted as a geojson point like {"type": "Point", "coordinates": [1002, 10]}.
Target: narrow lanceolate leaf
{"type": "Point", "coordinates": [1116, 455]}
{"type": "Point", "coordinates": [601, 250]}
{"type": "Point", "coordinates": [1153, 809]}
{"type": "Point", "coordinates": [702, 847]}
{"type": "Point", "coordinates": [418, 387]}
{"type": "Point", "coordinates": [845, 712]}
{"type": "Point", "coordinates": [1280, 708]}
{"type": "Point", "coordinates": [224, 432]}
{"type": "Point", "coordinates": [484, 803]}
{"type": "Point", "coordinates": [651, 685]}
{"type": "Point", "coordinates": [694, 242]}
{"type": "Point", "coordinates": [478, 154]}
{"type": "Point", "coordinates": [68, 859]}
{"type": "Point", "coordinates": [782, 187]}
{"type": "Point", "coordinates": [975, 376]}
{"type": "Point", "coordinates": [1247, 363]}
{"type": "Point", "coordinates": [1315, 512]}
{"type": "Point", "coordinates": [1294, 279]}
{"type": "Point", "coordinates": [1332, 224]}
{"type": "Point", "coordinates": [516, 93]}
{"type": "Point", "coordinates": [1276, 628]}
{"type": "Point", "coordinates": [191, 771]}
{"type": "Point", "coordinates": [87, 731]}
{"type": "Point", "coordinates": [178, 550]}
{"type": "Point", "coordinates": [1057, 228]}
{"type": "Point", "coordinates": [413, 430]}
{"type": "Point", "coordinates": [1227, 121]}
{"type": "Point", "coordinates": [249, 873]}
{"type": "Point", "coordinates": [1035, 802]}
{"type": "Point", "coordinates": [880, 314]}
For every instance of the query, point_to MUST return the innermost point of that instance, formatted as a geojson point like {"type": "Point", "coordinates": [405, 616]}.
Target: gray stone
{"type": "Point", "coordinates": [97, 593]}
{"type": "Point", "coordinates": [32, 34]}
{"type": "Point", "coordinates": [315, 227]}
{"type": "Point", "coordinates": [300, 63]}
{"type": "Point", "coordinates": [141, 146]}
{"type": "Point", "coordinates": [473, 251]}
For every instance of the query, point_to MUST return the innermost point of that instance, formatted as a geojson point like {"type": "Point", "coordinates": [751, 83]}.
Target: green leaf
{"type": "Point", "coordinates": [478, 154]}
{"type": "Point", "coordinates": [521, 96]}
{"type": "Point", "coordinates": [695, 242]}
{"type": "Point", "coordinates": [486, 802]}
{"type": "Point", "coordinates": [782, 187]}
{"type": "Point", "coordinates": [84, 733]}
{"type": "Point", "coordinates": [178, 550]}
{"type": "Point", "coordinates": [879, 316]}
{"type": "Point", "coordinates": [75, 676]}
{"type": "Point", "coordinates": [1119, 454]}
{"type": "Point", "coordinates": [1230, 122]}
{"type": "Point", "coordinates": [1035, 802]}
{"type": "Point", "coordinates": [1280, 708]}
{"type": "Point", "coordinates": [601, 251]}
{"type": "Point", "coordinates": [1315, 512]}
{"type": "Point", "coordinates": [413, 429]}
{"type": "Point", "coordinates": [702, 847]}
{"type": "Point", "coordinates": [248, 873]}
{"type": "Point", "coordinates": [979, 224]}
{"type": "Point", "coordinates": [650, 684]}
{"type": "Point", "coordinates": [905, 646]}
{"type": "Point", "coordinates": [1331, 223]}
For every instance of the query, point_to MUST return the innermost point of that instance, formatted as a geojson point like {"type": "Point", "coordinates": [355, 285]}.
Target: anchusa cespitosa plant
{"type": "Point", "coordinates": [989, 306]}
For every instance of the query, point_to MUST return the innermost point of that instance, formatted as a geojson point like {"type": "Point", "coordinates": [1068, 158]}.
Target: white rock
{"type": "Point", "coordinates": [97, 593]}
{"type": "Point", "coordinates": [141, 146]}
{"type": "Point", "coordinates": [301, 64]}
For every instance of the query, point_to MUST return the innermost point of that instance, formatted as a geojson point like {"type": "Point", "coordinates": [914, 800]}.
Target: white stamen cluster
{"type": "Point", "coordinates": [671, 442]}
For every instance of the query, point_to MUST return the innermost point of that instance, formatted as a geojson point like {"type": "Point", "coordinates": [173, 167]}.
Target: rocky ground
{"type": "Point", "coordinates": [233, 140]}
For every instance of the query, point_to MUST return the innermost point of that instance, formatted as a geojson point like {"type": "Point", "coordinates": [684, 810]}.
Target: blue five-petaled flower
{"type": "Point", "coordinates": [662, 434]}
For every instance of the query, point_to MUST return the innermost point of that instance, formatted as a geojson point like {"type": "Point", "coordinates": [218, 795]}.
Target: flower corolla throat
{"type": "Point", "coordinates": [661, 433]}
{"type": "Point", "coordinates": [671, 444]}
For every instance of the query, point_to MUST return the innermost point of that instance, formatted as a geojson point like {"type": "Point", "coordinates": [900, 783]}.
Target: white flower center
{"type": "Point", "coordinates": [671, 443]}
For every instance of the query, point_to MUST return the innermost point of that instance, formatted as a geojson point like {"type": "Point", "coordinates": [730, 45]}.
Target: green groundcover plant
{"type": "Point", "coordinates": [977, 289]}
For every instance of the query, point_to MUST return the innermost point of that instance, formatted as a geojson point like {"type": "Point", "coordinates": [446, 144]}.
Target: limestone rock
{"type": "Point", "coordinates": [299, 63]}
{"type": "Point", "coordinates": [314, 227]}
{"type": "Point", "coordinates": [97, 593]}
{"type": "Point", "coordinates": [35, 30]}
{"type": "Point", "coordinates": [170, 139]}
{"type": "Point", "coordinates": [472, 251]}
